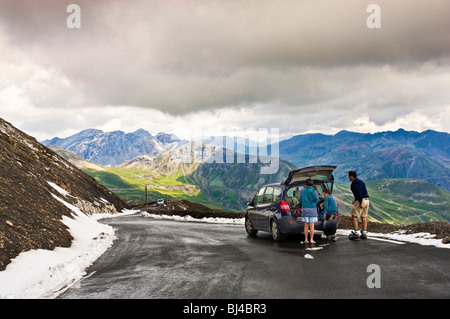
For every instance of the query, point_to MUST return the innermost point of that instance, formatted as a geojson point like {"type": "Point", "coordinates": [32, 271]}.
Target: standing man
{"type": "Point", "coordinates": [360, 206]}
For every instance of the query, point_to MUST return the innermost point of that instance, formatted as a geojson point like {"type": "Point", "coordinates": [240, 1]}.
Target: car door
{"type": "Point", "coordinates": [268, 207]}
{"type": "Point", "coordinates": [254, 207]}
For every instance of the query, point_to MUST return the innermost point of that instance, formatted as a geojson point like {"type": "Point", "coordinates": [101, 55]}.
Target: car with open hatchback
{"type": "Point", "coordinates": [275, 208]}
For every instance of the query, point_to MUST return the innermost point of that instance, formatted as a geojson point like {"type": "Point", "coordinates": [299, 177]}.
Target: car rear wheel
{"type": "Point", "coordinates": [329, 231]}
{"type": "Point", "coordinates": [249, 227]}
{"type": "Point", "coordinates": [276, 234]}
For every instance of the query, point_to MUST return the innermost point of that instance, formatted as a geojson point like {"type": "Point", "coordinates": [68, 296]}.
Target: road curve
{"type": "Point", "coordinates": [169, 259]}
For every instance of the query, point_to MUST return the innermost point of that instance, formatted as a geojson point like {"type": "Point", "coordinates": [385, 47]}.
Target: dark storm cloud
{"type": "Point", "coordinates": [187, 56]}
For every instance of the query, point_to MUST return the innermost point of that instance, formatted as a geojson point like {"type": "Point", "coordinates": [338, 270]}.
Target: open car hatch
{"type": "Point", "coordinates": [317, 173]}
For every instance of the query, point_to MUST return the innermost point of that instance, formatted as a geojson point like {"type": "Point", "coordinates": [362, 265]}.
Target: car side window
{"type": "Point", "coordinates": [276, 193]}
{"type": "Point", "coordinates": [259, 196]}
{"type": "Point", "coordinates": [268, 195]}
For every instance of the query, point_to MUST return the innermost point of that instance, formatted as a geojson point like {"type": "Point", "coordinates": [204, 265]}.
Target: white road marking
{"type": "Point", "coordinates": [387, 240]}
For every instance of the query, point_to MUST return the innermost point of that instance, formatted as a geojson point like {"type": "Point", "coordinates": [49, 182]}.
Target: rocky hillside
{"type": "Point", "coordinates": [33, 179]}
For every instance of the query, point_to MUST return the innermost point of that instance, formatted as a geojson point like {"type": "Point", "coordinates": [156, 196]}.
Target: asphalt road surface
{"type": "Point", "coordinates": [169, 259]}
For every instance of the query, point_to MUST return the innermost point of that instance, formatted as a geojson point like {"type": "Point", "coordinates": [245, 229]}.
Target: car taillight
{"type": "Point", "coordinates": [284, 206]}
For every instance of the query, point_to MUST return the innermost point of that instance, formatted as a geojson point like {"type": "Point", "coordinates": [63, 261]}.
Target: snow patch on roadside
{"type": "Point", "coordinates": [41, 273]}
{"type": "Point", "coordinates": [187, 218]}
{"type": "Point", "coordinates": [424, 239]}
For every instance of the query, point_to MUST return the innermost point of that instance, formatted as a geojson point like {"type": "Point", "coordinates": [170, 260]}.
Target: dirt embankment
{"type": "Point", "coordinates": [181, 207]}
{"type": "Point", "coordinates": [32, 178]}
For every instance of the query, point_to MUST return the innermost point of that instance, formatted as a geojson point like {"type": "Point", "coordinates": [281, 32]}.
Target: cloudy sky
{"type": "Point", "coordinates": [219, 65]}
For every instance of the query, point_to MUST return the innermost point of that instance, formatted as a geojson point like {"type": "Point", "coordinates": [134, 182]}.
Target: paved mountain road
{"type": "Point", "coordinates": [169, 259]}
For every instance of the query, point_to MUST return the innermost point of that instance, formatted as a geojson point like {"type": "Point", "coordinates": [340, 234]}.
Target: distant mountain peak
{"type": "Point", "coordinates": [86, 133]}
{"type": "Point", "coordinates": [143, 133]}
{"type": "Point", "coordinates": [90, 131]}
{"type": "Point", "coordinates": [167, 138]}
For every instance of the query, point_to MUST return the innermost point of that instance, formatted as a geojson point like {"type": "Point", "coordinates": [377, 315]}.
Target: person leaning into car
{"type": "Point", "coordinates": [360, 205]}
{"type": "Point", "coordinates": [309, 199]}
{"type": "Point", "coordinates": [329, 207]}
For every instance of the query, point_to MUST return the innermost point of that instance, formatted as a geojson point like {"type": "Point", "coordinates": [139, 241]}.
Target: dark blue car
{"type": "Point", "coordinates": [275, 207]}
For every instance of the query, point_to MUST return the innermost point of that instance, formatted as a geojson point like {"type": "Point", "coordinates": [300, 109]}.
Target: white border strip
{"type": "Point", "coordinates": [387, 240]}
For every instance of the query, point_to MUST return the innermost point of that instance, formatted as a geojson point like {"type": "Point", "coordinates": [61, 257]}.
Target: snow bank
{"type": "Point", "coordinates": [214, 220]}
{"type": "Point", "coordinates": [59, 189]}
{"type": "Point", "coordinates": [43, 273]}
{"type": "Point", "coordinates": [424, 239]}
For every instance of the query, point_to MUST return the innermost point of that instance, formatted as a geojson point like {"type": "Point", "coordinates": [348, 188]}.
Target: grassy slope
{"type": "Point", "coordinates": [223, 186]}
{"type": "Point", "coordinates": [129, 184]}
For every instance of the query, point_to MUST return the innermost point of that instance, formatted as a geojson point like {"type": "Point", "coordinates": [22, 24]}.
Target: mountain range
{"type": "Point", "coordinates": [399, 154]}
{"type": "Point", "coordinates": [113, 148]}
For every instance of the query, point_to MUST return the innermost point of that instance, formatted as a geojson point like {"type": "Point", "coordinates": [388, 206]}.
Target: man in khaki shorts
{"type": "Point", "coordinates": [360, 206]}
